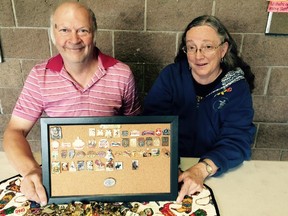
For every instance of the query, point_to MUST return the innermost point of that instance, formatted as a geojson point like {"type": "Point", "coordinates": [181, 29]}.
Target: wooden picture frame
{"type": "Point", "coordinates": [110, 159]}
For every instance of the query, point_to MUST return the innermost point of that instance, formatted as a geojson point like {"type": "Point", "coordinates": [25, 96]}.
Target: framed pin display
{"type": "Point", "coordinates": [111, 159]}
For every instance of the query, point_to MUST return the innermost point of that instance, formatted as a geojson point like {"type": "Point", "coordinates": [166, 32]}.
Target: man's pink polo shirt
{"type": "Point", "coordinates": [50, 89]}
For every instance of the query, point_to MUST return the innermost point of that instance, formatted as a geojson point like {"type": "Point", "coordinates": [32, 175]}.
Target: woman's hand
{"type": "Point", "coordinates": [193, 179]}
{"type": "Point", "coordinates": [32, 187]}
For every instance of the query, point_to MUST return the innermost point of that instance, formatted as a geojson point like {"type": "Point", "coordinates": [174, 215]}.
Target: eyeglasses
{"type": "Point", "coordinates": [204, 50]}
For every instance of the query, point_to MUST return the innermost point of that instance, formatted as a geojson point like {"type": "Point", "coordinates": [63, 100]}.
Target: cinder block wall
{"type": "Point", "coordinates": [145, 34]}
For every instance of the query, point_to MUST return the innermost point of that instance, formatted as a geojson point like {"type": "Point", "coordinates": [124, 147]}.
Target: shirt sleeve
{"type": "Point", "coordinates": [131, 103]}
{"type": "Point", "coordinates": [159, 99]}
{"type": "Point", "coordinates": [237, 130]}
{"type": "Point", "coordinates": [29, 104]}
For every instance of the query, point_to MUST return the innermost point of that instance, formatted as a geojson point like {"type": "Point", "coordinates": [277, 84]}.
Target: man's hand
{"type": "Point", "coordinates": [32, 187]}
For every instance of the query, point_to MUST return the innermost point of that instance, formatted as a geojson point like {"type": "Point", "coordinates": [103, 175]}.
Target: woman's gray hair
{"type": "Point", "coordinates": [231, 60]}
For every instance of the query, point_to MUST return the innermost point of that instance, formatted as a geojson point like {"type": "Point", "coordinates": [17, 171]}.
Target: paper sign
{"type": "Point", "coordinates": [279, 6]}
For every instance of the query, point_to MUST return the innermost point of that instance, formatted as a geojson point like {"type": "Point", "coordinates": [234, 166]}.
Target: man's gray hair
{"type": "Point", "coordinates": [93, 21]}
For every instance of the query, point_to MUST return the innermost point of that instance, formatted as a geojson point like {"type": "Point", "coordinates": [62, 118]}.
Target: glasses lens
{"type": "Point", "coordinates": [208, 49]}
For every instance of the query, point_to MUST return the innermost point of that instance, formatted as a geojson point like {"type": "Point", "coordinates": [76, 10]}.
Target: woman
{"type": "Point", "coordinates": [209, 87]}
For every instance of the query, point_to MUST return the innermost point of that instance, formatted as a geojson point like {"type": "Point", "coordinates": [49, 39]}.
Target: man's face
{"type": "Point", "coordinates": [73, 32]}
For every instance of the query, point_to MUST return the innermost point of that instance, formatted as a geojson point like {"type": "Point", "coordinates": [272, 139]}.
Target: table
{"type": "Point", "coordinates": [6, 170]}
{"type": "Point", "coordinates": [252, 189]}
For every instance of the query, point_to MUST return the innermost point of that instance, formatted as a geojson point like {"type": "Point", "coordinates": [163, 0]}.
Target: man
{"type": "Point", "coordinates": [80, 81]}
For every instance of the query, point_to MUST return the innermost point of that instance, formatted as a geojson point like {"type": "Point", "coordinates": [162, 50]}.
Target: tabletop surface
{"type": "Point", "coordinates": [6, 170]}
{"type": "Point", "coordinates": [254, 188]}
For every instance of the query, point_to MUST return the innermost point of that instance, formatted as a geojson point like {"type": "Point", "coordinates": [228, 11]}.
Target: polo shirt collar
{"type": "Point", "coordinates": [56, 63]}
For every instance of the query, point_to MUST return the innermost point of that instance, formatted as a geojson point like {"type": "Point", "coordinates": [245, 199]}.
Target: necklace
{"type": "Point", "coordinates": [203, 201]}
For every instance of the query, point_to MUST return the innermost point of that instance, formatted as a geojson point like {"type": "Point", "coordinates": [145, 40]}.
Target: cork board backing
{"type": "Point", "coordinates": [115, 158]}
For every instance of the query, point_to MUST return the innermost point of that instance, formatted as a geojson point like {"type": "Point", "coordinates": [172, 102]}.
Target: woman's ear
{"type": "Point", "coordinates": [225, 48]}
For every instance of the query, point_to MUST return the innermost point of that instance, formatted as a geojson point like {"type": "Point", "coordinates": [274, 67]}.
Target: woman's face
{"type": "Point", "coordinates": [205, 62]}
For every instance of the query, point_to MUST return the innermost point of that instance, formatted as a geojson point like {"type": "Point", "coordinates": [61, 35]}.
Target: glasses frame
{"type": "Point", "coordinates": [200, 49]}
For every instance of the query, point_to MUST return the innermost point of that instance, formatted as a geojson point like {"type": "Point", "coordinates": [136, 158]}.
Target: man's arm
{"type": "Point", "coordinates": [19, 154]}
{"type": "Point", "coordinates": [16, 146]}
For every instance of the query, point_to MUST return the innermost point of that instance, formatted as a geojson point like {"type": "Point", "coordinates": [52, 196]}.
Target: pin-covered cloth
{"type": "Point", "coordinates": [13, 202]}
